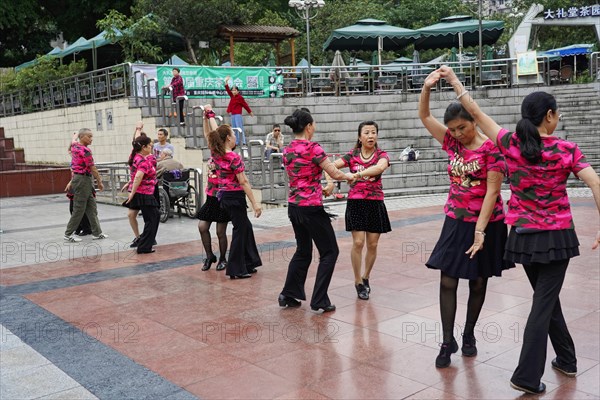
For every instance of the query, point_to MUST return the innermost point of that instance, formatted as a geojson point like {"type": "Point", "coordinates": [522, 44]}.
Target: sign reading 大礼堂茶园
{"type": "Point", "coordinates": [210, 81]}
{"type": "Point", "coordinates": [573, 12]}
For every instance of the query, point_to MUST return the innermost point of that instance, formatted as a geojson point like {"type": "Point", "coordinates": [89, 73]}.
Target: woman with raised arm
{"type": "Point", "coordinates": [471, 244]}
{"type": "Point", "coordinates": [211, 211]}
{"type": "Point", "coordinates": [542, 236]}
{"type": "Point", "coordinates": [233, 187]}
{"type": "Point", "coordinates": [305, 162]}
{"type": "Point", "coordinates": [366, 215]}
{"type": "Point", "coordinates": [141, 197]}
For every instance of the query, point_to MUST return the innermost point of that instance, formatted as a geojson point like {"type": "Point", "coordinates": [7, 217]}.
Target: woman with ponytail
{"type": "Point", "coordinates": [141, 191]}
{"type": "Point", "coordinates": [542, 237]}
{"type": "Point", "coordinates": [233, 187]}
{"type": "Point", "coordinates": [211, 211]}
{"type": "Point", "coordinates": [305, 162]}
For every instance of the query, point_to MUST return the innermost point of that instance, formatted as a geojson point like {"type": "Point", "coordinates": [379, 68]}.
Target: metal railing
{"type": "Point", "coordinates": [116, 174]}
{"type": "Point", "coordinates": [121, 81]}
{"type": "Point", "coordinates": [99, 85]}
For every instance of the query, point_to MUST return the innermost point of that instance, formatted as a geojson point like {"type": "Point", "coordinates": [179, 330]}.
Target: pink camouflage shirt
{"type": "Point", "coordinates": [468, 171]}
{"type": "Point", "coordinates": [539, 197]}
{"type": "Point", "coordinates": [81, 159]}
{"type": "Point", "coordinates": [301, 159]}
{"type": "Point", "coordinates": [370, 188]}
{"type": "Point", "coordinates": [148, 166]}
{"type": "Point", "coordinates": [227, 167]}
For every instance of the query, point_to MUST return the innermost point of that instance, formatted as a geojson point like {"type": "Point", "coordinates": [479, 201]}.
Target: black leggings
{"type": "Point", "coordinates": [204, 228]}
{"type": "Point", "coordinates": [448, 287]}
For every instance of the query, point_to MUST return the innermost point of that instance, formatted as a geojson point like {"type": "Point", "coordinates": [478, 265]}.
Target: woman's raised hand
{"type": "Point", "coordinates": [432, 79]}
{"type": "Point", "coordinates": [448, 74]}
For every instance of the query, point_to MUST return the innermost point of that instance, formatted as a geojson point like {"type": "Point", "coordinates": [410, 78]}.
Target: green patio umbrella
{"type": "Point", "coordinates": [370, 34]}
{"type": "Point", "coordinates": [271, 61]}
{"type": "Point", "coordinates": [453, 56]}
{"type": "Point", "coordinates": [446, 34]}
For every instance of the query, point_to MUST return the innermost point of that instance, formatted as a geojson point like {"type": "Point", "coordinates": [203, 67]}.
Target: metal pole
{"type": "Point", "coordinates": [480, 44]}
{"type": "Point", "coordinates": [307, 18]}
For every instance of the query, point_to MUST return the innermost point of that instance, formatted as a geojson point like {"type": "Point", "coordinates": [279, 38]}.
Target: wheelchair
{"type": "Point", "coordinates": [176, 193]}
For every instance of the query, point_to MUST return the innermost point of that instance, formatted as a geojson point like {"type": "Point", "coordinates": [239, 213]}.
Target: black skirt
{"type": "Point", "coordinates": [456, 238]}
{"type": "Point", "coordinates": [541, 247]}
{"type": "Point", "coordinates": [367, 216]}
{"type": "Point", "coordinates": [212, 211]}
{"type": "Point", "coordinates": [141, 200]}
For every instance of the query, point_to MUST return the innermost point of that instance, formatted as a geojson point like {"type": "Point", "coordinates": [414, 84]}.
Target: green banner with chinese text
{"type": "Point", "coordinates": [209, 82]}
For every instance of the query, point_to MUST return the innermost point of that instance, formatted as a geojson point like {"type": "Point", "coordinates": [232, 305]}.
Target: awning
{"type": "Point", "coordinates": [447, 33]}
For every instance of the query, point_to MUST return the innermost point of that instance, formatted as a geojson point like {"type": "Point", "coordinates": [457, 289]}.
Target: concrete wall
{"type": "Point", "coordinates": [45, 135]}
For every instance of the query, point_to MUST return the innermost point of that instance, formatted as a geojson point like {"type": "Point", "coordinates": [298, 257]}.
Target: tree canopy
{"type": "Point", "coordinates": [28, 26]}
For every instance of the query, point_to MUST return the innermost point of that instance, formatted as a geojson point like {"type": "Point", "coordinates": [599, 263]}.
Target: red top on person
{"type": "Point", "coordinates": [236, 103]}
{"type": "Point", "coordinates": [177, 86]}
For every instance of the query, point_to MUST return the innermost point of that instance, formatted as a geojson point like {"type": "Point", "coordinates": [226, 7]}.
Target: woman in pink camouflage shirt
{"type": "Point", "coordinates": [542, 236]}
{"type": "Point", "coordinates": [366, 215]}
{"type": "Point", "coordinates": [471, 244]}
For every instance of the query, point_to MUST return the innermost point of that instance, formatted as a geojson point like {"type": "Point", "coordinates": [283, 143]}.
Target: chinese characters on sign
{"type": "Point", "coordinates": [573, 12]}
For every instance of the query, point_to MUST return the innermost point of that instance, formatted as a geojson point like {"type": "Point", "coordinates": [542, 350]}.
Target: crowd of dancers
{"type": "Point", "coordinates": [474, 244]}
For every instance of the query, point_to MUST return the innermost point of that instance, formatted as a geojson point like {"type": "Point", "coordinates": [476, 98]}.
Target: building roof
{"type": "Point", "coordinates": [258, 33]}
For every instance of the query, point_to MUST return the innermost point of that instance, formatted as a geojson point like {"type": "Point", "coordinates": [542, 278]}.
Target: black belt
{"type": "Point", "coordinates": [83, 173]}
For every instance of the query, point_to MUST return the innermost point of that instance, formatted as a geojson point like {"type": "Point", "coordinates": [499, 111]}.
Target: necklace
{"type": "Point", "coordinates": [366, 157]}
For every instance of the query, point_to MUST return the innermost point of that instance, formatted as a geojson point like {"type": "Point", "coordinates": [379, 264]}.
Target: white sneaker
{"type": "Point", "coordinates": [71, 239]}
{"type": "Point", "coordinates": [100, 236]}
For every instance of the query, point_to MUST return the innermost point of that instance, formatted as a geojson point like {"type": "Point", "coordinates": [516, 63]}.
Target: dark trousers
{"type": "Point", "coordinates": [243, 253]}
{"type": "Point", "coordinates": [181, 114]}
{"type": "Point", "coordinates": [311, 224]}
{"type": "Point", "coordinates": [151, 216]}
{"type": "Point", "coordinates": [545, 319]}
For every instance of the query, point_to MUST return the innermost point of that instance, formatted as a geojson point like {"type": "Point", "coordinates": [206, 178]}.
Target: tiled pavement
{"type": "Point", "coordinates": [95, 320]}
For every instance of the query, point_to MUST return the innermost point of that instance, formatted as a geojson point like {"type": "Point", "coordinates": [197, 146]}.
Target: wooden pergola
{"type": "Point", "coordinates": [260, 34]}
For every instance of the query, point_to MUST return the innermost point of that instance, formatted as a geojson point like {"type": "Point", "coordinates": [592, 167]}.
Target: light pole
{"type": "Point", "coordinates": [303, 9]}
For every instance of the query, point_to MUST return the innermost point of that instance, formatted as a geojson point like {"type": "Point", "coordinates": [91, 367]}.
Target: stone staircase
{"type": "Point", "coordinates": [337, 120]}
{"type": "Point", "coordinates": [10, 158]}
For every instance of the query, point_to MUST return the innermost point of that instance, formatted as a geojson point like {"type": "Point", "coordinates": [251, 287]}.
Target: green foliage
{"type": "Point", "coordinates": [194, 20]}
{"type": "Point", "coordinates": [136, 37]}
{"type": "Point", "coordinates": [26, 31]}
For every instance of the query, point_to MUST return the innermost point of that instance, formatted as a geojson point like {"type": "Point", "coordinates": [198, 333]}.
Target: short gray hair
{"type": "Point", "coordinates": [84, 131]}
{"type": "Point", "coordinates": [167, 152]}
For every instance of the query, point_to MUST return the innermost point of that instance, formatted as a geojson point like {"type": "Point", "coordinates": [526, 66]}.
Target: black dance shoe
{"type": "Point", "coordinates": [285, 301]}
{"type": "Point", "coordinates": [134, 243]}
{"type": "Point", "coordinates": [564, 368]}
{"type": "Point", "coordinates": [443, 359]}
{"type": "Point", "coordinates": [208, 262]}
{"type": "Point", "coordinates": [221, 265]}
{"type": "Point", "coordinates": [146, 251]}
{"type": "Point", "coordinates": [242, 276]}
{"type": "Point", "coordinates": [366, 284]}
{"type": "Point", "coordinates": [325, 309]}
{"type": "Point", "coordinates": [528, 389]}
{"type": "Point", "coordinates": [361, 291]}
{"type": "Point", "coordinates": [468, 348]}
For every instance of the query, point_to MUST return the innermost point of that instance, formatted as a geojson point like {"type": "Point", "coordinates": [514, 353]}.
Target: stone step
{"type": "Point", "coordinates": [7, 164]}
{"type": "Point", "coordinates": [7, 143]}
